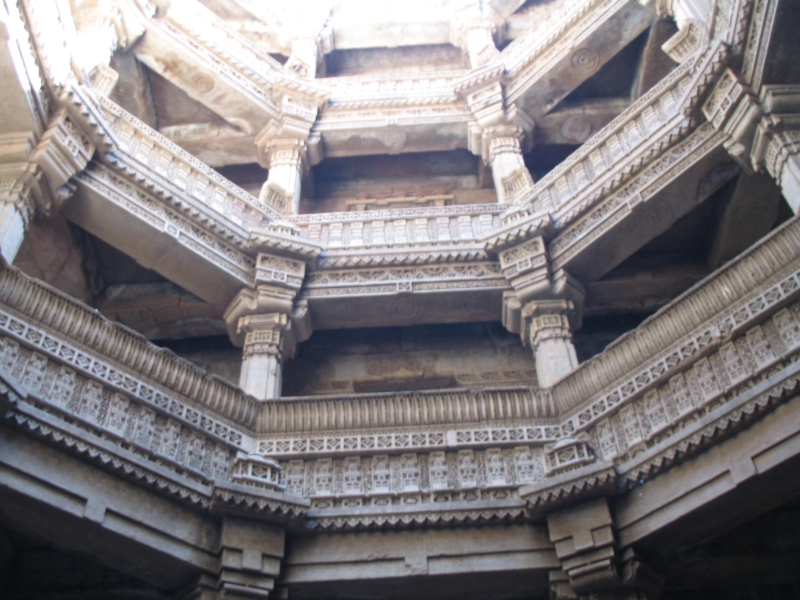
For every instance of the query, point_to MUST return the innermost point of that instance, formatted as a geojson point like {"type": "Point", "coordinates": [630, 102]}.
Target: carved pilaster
{"type": "Point", "coordinates": [594, 567]}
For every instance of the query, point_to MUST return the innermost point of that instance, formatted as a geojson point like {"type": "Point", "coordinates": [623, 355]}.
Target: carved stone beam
{"type": "Point", "coordinates": [249, 563]}
{"type": "Point", "coordinates": [594, 567]}
{"type": "Point", "coordinates": [776, 146]}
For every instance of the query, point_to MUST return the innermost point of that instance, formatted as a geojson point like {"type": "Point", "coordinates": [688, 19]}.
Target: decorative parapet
{"type": "Point", "coordinates": [691, 325]}
{"type": "Point", "coordinates": [400, 236]}
{"type": "Point", "coordinates": [392, 89]}
{"type": "Point", "coordinates": [57, 328]}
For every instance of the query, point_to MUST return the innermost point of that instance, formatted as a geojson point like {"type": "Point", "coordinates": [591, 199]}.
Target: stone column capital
{"type": "Point", "coordinates": [263, 334]}
{"type": "Point", "coordinates": [547, 319]}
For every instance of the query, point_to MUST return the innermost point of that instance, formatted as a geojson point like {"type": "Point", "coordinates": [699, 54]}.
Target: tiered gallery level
{"type": "Point", "coordinates": [353, 300]}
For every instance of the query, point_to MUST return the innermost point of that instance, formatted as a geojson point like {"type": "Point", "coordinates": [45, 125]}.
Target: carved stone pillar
{"type": "Point", "coordinates": [585, 544]}
{"type": "Point", "coordinates": [474, 30]}
{"type": "Point", "coordinates": [548, 332]}
{"type": "Point", "coordinates": [262, 359]}
{"type": "Point", "coordinates": [287, 163]}
{"type": "Point", "coordinates": [37, 178]}
{"type": "Point", "coordinates": [511, 177]}
{"type": "Point", "coordinates": [783, 163]}
{"type": "Point", "coordinates": [267, 323]}
{"type": "Point", "coordinates": [287, 148]}
{"type": "Point", "coordinates": [249, 564]}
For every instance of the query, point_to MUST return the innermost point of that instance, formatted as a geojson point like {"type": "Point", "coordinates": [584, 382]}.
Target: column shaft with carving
{"type": "Point", "coordinates": [262, 358]}
{"type": "Point", "coordinates": [511, 177]}
{"type": "Point", "coordinates": [287, 148]}
{"type": "Point", "coordinates": [549, 335]}
{"type": "Point", "coordinates": [267, 323]}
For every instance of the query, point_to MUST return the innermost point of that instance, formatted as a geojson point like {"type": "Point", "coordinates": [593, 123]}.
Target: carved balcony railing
{"type": "Point", "coordinates": [60, 330]}
{"type": "Point", "coordinates": [409, 229]}
{"type": "Point", "coordinates": [393, 89]}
